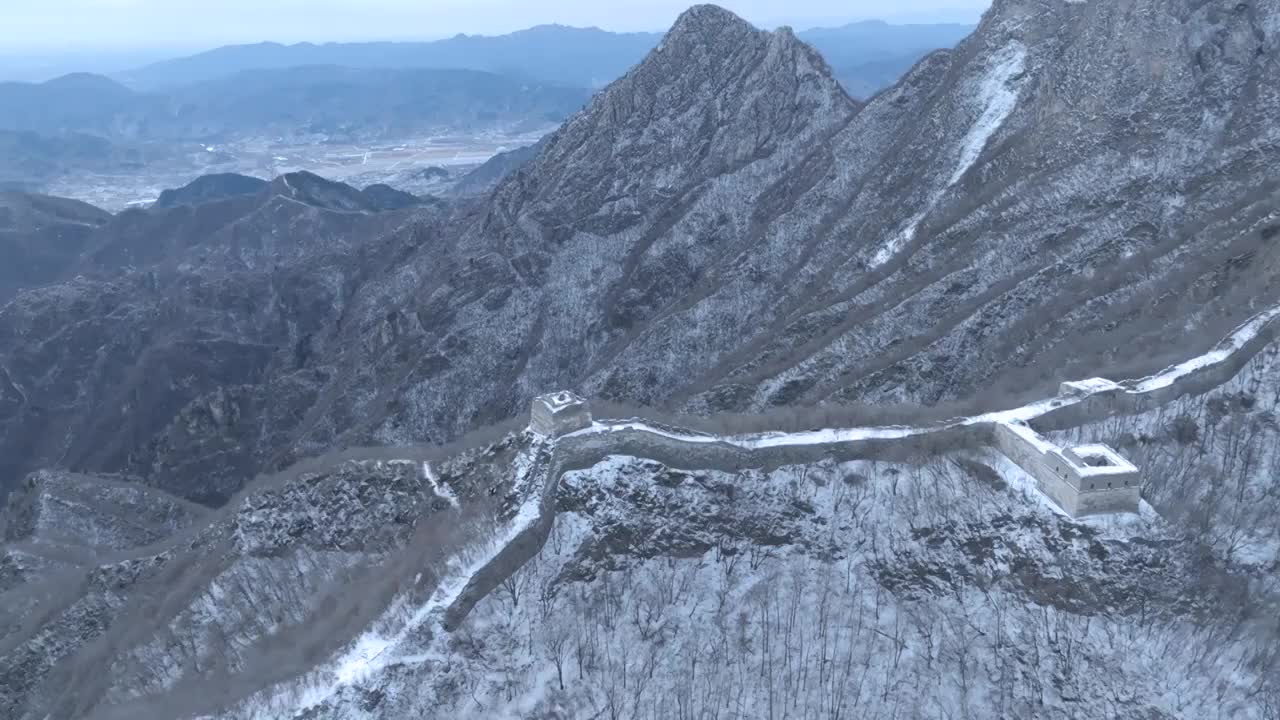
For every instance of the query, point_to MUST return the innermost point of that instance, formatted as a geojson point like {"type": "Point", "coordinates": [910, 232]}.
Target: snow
{"type": "Point", "coordinates": [759, 440]}
{"type": "Point", "coordinates": [373, 652]}
{"type": "Point", "coordinates": [825, 437]}
{"type": "Point", "coordinates": [1093, 385]}
{"type": "Point", "coordinates": [1116, 464]}
{"type": "Point", "coordinates": [1225, 349]}
{"type": "Point", "coordinates": [1032, 437]}
{"type": "Point", "coordinates": [998, 97]}
{"type": "Point", "coordinates": [441, 491]}
{"type": "Point", "coordinates": [559, 401]}
{"type": "Point", "coordinates": [598, 428]}
{"type": "Point", "coordinates": [1124, 526]}
{"type": "Point", "coordinates": [1019, 414]}
{"type": "Point", "coordinates": [886, 253]}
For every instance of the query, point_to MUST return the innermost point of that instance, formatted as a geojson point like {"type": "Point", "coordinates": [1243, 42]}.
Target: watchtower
{"type": "Point", "coordinates": [1083, 480]}
{"type": "Point", "coordinates": [559, 413]}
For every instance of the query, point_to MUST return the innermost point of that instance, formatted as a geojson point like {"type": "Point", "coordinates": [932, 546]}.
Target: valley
{"type": "Point", "coordinates": [411, 164]}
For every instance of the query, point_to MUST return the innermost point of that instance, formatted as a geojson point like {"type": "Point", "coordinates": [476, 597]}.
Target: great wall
{"type": "Point", "coordinates": [1078, 403]}
{"type": "Point", "coordinates": [566, 438]}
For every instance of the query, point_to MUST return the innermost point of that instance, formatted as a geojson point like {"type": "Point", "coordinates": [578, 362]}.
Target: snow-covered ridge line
{"type": "Point", "coordinates": [1135, 390]}
{"type": "Point", "coordinates": [1230, 345]}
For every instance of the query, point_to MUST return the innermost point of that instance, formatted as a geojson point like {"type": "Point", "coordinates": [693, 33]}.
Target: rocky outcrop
{"type": "Point", "coordinates": [94, 513]}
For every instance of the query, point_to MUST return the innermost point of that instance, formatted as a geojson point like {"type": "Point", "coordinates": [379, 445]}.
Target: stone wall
{"type": "Point", "coordinates": [1099, 502]}
{"type": "Point", "coordinates": [1129, 402]}
{"type": "Point", "coordinates": [1050, 479]}
{"type": "Point", "coordinates": [522, 548]}
{"type": "Point", "coordinates": [584, 451]}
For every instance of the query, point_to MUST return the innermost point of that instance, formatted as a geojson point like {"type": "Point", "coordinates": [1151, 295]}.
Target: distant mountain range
{"type": "Point", "coordinates": [364, 92]}
{"type": "Point", "coordinates": [334, 101]}
{"type": "Point", "coordinates": [540, 75]}
{"type": "Point", "coordinates": [866, 56]}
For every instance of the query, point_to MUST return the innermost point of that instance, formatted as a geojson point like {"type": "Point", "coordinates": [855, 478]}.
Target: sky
{"type": "Point", "coordinates": [67, 26]}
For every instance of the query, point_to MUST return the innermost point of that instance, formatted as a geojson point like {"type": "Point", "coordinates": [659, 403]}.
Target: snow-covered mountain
{"type": "Point", "coordinates": [646, 571]}
{"type": "Point", "coordinates": [1079, 189]}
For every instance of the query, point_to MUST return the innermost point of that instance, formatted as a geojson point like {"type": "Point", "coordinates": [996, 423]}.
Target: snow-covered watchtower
{"type": "Point", "coordinates": [559, 413]}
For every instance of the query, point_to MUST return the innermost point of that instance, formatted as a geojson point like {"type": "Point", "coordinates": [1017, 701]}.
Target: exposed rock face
{"type": "Point", "coordinates": [92, 513]}
{"type": "Point", "coordinates": [722, 228]}
{"type": "Point", "coordinates": [494, 170]}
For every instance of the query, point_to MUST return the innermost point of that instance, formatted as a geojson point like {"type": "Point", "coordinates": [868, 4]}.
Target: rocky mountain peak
{"type": "Point", "coordinates": [707, 22]}
{"type": "Point", "coordinates": [715, 95]}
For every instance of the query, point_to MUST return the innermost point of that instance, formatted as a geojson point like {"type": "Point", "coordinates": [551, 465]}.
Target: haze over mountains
{"type": "Point", "coordinates": [321, 100]}
{"type": "Point", "coordinates": [1075, 190]}
{"type": "Point", "coordinates": [866, 55]}
{"type": "Point", "coordinates": [158, 119]}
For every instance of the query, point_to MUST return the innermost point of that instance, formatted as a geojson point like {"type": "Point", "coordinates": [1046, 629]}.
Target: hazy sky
{"type": "Point", "coordinates": [69, 25]}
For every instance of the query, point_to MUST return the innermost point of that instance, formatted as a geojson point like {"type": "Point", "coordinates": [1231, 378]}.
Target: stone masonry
{"type": "Point", "coordinates": [1085, 480]}
{"type": "Point", "coordinates": [559, 413]}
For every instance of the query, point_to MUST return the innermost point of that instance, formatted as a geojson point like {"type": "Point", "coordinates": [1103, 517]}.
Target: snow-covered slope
{"type": "Point", "coordinates": [942, 581]}
{"type": "Point", "coordinates": [881, 588]}
{"type": "Point", "coordinates": [382, 583]}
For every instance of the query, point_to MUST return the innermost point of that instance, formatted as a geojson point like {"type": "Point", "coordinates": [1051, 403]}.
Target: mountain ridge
{"type": "Point", "coordinates": [854, 47]}
{"type": "Point", "coordinates": [1077, 190]}
{"type": "Point", "coordinates": [315, 100]}
{"type": "Point", "coordinates": [748, 185]}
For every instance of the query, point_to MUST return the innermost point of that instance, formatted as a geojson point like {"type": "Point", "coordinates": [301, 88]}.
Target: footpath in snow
{"type": "Point", "coordinates": [373, 651]}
